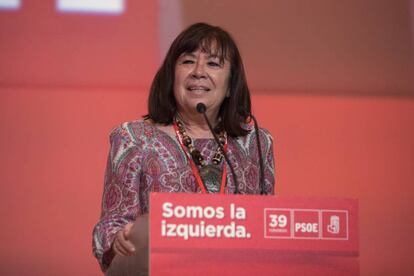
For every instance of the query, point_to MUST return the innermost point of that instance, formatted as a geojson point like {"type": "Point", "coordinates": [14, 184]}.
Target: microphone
{"type": "Point", "coordinates": [259, 150]}
{"type": "Point", "coordinates": [201, 108]}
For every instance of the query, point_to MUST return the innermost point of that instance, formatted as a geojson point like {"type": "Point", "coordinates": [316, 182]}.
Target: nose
{"type": "Point", "coordinates": [199, 70]}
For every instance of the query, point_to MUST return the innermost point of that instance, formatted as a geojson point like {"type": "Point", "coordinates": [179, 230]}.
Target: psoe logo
{"type": "Point", "coordinates": [334, 226]}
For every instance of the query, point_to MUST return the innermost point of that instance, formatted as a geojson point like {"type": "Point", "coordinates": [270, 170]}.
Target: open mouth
{"type": "Point", "coordinates": [196, 88]}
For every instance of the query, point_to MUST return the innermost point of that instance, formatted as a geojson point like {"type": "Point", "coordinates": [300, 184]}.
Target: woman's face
{"type": "Point", "coordinates": [200, 77]}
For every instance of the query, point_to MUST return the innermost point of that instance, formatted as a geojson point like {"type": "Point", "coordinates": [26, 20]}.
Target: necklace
{"type": "Point", "coordinates": [208, 174]}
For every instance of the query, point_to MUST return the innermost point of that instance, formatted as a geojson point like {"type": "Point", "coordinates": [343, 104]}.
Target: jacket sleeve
{"type": "Point", "coordinates": [120, 194]}
{"type": "Point", "coordinates": [269, 163]}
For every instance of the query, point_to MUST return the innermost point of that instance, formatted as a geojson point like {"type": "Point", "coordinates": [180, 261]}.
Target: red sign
{"type": "Point", "coordinates": [184, 225]}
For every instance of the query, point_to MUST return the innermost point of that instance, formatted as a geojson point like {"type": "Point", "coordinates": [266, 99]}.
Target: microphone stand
{"type": "Point", "coordinates": [201, 108]}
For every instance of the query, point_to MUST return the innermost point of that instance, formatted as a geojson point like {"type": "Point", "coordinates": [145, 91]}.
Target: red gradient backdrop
{"type": "Point", "coordinates": [55, 122]}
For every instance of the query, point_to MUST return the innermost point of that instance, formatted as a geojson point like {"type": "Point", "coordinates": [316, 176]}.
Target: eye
{"type": "Point", "coordinates": [187, 61]}
{"type": "Point", "coordinates": [213, 64]}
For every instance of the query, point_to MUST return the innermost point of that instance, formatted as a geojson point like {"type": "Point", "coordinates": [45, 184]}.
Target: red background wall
{"type": "Point", "coordinates": [56, 111]}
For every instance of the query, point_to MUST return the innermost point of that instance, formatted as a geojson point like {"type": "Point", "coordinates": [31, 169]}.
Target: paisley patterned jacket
{"type": "Point", "coordinates": [143, 159]}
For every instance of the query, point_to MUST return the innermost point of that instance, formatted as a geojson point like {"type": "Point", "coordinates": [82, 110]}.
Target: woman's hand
{"type": "Point", "coordinates": [131, 240]}
{"type": "Point", "coordinates": [133, 237]}
{"type": "Point", "coordinates": [122, 244]}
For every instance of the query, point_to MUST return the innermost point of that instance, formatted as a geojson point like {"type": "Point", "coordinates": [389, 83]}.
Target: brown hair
{"type": "Point", "coordinates": [162, 106]}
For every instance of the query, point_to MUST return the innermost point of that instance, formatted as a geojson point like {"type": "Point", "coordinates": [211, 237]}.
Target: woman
{"type": "Point", "coordinates": [172, 149]}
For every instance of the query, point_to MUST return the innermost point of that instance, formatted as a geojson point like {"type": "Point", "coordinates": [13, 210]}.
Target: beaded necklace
{"type": "Point", "coordinates": [210, 177]}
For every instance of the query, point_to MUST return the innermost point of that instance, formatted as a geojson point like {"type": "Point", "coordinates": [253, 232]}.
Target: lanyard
{"type": "Point", "coordinates": [194, 168]}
